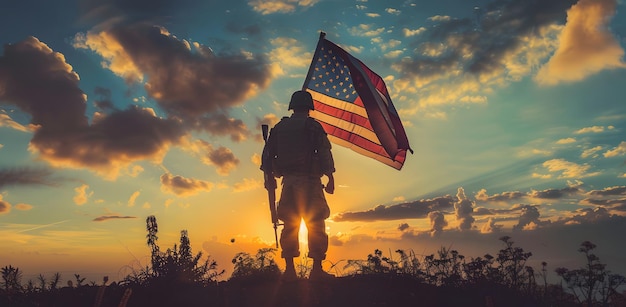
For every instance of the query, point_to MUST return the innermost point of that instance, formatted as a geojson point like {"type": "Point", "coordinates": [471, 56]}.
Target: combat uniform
{"type": "Point", "coordinates": [298, 150]}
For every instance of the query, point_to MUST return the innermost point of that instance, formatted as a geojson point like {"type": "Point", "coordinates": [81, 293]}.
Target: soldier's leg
{"type": "Point", "coordinates": [289, 237]}
{"type": "Point", "coordinates": [318, 239]}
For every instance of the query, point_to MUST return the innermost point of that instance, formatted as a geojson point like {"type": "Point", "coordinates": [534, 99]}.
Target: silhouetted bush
{"type": "Point", "coordinates": [593, 284]}
{"type": "Point", "coordinates": [177, 277]}
{"type": "Point", "coordinates": [261, 267]}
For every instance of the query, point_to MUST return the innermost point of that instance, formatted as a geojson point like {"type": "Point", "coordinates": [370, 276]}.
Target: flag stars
{"type": "Point", "coordinates": [332, 76]}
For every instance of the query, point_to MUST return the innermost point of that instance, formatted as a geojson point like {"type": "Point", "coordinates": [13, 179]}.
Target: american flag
{"type": "Point", "coordinates": [353, 105]}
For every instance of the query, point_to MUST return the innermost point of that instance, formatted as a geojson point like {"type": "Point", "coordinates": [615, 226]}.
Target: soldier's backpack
{"type": "Point", "coordinates": [294, 148]}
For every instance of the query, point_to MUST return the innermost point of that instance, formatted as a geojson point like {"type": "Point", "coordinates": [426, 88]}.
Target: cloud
{"type": "Point", "coordinates": [591, 152]}
{"type": "Point", "coordinates": [287, 54]}
{"type": "Point", "coordinates": [182, 186]}
{"type": "Point", "coordinates": [609, 191]}
{"type": "Point", "coordinates": [133, 198]}
{"type": "Point", "coordinates": [617, 151]}
{"type": "Point", "coordinates": [409, 32]}
{"type": "Point", "coordinates": [256, 159]}
{"type": "Point", "coordinates": [610, 203]}
{"type": "Point", "coordinates": [593, 129]}
{"type": "Point", "coordinates": [554, 193]}
{"type": "Point", "coordinates": [221, 157]}
{"type": "Point", "coordinates": [490, 226]}
{"type": "Point", "coordinates": [393, 54]}
{"type": "Point", "coordinates": [393, 11]}
{"type": "Point", "coordinates": [266, 7]}
{"type": "Point", "coordinates": [408, 210]}
{"type": "Point", "coordinates": [587, 216]}
{"type": "Point", "coordinates": [365, 30]}
{"type": "Point", "coordinates": [586, 45]}
{"type": "Point", "coordinates": [504, 196]}
{"type": "Point", "coordinates": [105, 218]}
{"type": "Point", "coordinates": [222, 125]}
{"type": "Point", "coordinates": [566, 141]}
{"type": "Point", "coordinates": [5, 206]}
{"type": "Point", "coordinates": [205, 83]}
{"type": "Point", "coordinates": [437, 223]}
{"type": "Point", "coordinates": [26, 176]}
{"type": "Point", "coordinates": [41, 83]}
{"type": "Point", "coordinates": [457, 62]}
{"type": "Point", "coordinates": [81, 196]}
{"type": "Point", "coordinates": [529, 216]}
{"type": "Point", "coordinates": [106, 13]}
{"type": "Point", "coordinates": [247, 184]}
{"type": "Point", "coordinates": [403, 226]}
{"type": "Point", "coordinates": [6, 121]}
{"type": "Point", "coordinates": [439, 18]}
{"type": "Point", "coordinates": [463, 210]}
{"type": "Point", "coordinates": [568, 169]}
{"type": "Point", "coordinates": [23, 207]}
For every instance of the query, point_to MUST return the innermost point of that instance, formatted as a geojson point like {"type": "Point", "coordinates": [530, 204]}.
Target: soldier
{"type": "Point", "coordinates": [298, 150]}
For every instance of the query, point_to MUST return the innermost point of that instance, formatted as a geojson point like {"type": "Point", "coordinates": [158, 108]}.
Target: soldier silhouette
{"type": "Point", "coordinates": [298, 150]}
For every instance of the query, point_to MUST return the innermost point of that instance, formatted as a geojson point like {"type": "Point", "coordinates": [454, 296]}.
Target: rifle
{"type": "Point", "coordinates": [270, 186]}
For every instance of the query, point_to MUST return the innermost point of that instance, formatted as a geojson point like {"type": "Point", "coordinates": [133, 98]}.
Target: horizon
{"type": "Point", "coordinates": [111, 112]}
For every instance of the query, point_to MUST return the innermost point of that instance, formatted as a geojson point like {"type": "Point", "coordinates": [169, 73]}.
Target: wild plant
{"type": "Point", "coordinates": [591, 284]}
{"type": "Point", "coordinates": [512, 264]}
{"type": "Point", "coordinates": [11, 279]}
{"type": "Point", "coordinates": [446, 269]}
{"type": "Point", "coordinates": [261, 266]}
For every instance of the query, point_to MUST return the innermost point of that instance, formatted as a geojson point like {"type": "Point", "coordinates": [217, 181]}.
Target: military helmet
{"type": "Point", "coordinates": [301, 100]}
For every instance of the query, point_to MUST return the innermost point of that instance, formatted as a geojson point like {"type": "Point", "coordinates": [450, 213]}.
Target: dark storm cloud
{"type": "Point", "coordinates": [105, 218]}
{"type": "Point", "coordinates": [409, 210]}
{"type": "Point", "coordinates": [39, 82]}
{"type": "Point", "coordinates": [25, 176]}
{"type": "Point", "coordinates": [479, 48]}
{"type": "Point", "coordinates": [188, 84]}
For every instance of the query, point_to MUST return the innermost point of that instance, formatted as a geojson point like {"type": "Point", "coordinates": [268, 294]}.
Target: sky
{"type": "Point", "coordinates": [113, 111]}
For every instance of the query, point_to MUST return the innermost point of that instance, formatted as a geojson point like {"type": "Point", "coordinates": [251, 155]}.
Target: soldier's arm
{"type": "Point", "coordinates": [330, 186]}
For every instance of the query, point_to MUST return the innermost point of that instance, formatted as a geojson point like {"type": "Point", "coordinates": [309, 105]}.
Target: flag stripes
{"type": "Point", "coordinates": [353, 105]}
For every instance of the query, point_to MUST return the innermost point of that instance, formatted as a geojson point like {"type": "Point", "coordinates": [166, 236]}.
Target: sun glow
{"type": "Point", "coordinates": [303, 234]}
